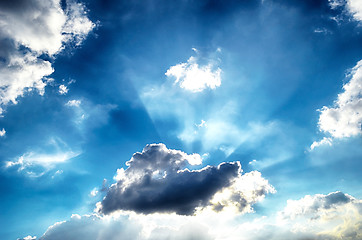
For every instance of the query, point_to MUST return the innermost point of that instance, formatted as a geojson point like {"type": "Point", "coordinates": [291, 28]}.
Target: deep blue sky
{"type": "Point", "coordinates": [280, 62]}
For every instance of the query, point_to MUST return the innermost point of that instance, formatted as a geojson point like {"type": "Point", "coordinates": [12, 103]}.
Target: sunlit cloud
{"type": "Point", "coordinates": [30, 29]}
{"type": "Point", "coordinates": [157, 180]}
{"type": "Point", "coordinates": [38, 162]}
{"type": "Point", "coordinates": [344, 119]}
{"type": "Point", "coordinates": [195, 78]}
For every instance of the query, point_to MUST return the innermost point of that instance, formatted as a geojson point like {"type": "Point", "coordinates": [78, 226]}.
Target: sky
{"type": "Point", "coordinates": [185, 119]}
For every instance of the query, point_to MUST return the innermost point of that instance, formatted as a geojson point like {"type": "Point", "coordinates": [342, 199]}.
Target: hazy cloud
{"type": "Point", "coordinates": [38, 162]}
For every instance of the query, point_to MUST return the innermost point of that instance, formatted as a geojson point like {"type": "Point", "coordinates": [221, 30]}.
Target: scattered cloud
{"type": "Point", "coordinates": [195, 78]}
{"type": "Point", "coordinates": [344, 119]}
{"type": "Point", "coordinates": [73, 103]}
{"type": "Point", "coordinates": [2, 133]}
{"type": "Point", "coordinates": [29, 30]}
{"type": "Point", "coordinates": [63, 89]}
{"type": "Point", "coordinates": [157, 180]}
{"type": "Point", "coordinates": [322, 31]}
{"type": "Point", "coordinates": [94, 192]}
{"type": "Point", "coordinates": [37, 163]}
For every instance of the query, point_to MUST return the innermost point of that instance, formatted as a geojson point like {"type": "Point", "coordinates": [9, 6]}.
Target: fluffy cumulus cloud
{"type": "Point", "coordinates": [344, 119]}
{"type": "Point", "coordinates": [334, 216]}
{"type": "Point", "coordinates": [30, 30]}
{"type": "Point", "coordinates": [195, 78]}
{"type": "Point", "coordinates": [156, 180]}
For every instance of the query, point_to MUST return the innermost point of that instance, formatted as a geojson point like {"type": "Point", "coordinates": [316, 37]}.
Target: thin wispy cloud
{"type": "Point", "coordinates": [37, 163]}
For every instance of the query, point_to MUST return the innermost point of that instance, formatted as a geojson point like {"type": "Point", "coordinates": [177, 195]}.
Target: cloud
{"type": "Point", "coordinates": [28, 238]}
{"type": "Point", "coordinates": [324, 141]}
{"type": "Point", "coordinates": [195, 78]}
{"type": "Point", "coordinates": [2, 133]}
{"type": "Point", "coordinates": [344, 119]}
{"type": "Point", "coordinates": [73, 103]}
{"type": "Point", "coordinates": [63, 89]}
{"type": "Point", "coordinates": [29, 30]}
{"type": "Point", "coordinates": [93, 227]}
{"type": "Point", "coordinates": [353, 7]}
{"type": "Point", "coordinates": [156, 180]}
{"type": "Point", "coordinates": [37, 163]}
{"type": "Point", "coordinates": [334, 216]}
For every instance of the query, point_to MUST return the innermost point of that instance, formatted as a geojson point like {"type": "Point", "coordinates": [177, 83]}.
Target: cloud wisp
{"type": "Point", "coordinates": [36, 163]}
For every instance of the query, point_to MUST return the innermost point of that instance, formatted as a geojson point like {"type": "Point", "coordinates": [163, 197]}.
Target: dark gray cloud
{"type": "Point", "coordinates": [156, 182]}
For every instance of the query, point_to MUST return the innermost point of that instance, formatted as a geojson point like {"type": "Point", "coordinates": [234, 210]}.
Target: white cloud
{"type": "Point", "coordinates": [344, 119]}
{"type": "Point", "coordinates": [195, 78]}
{"type": "Point", "coordinates": [2, 133]}
{"type": "Point", "coordinates": [73, 103]}
{"type": "Point", "coordinates": [28, 238]}
{"type": "Point", "coordinates": [353, 7]}
{"type": "Point", "coordinates": [239, 197]}
{"type": "Point", "coordinates": [37, 163]}
{"type": "Point", "coordinates": [63, 89]}
{"type": "Point", "coordinates": [94, 192]}
{"type": "Point", "coordinates": [22, 73]}
{"type": "Point", "coordinates": [42, 27]}
{"type": "Point", "coordinates": [334, 216]}
{"type": "Point", "coordinates": [324, 141]}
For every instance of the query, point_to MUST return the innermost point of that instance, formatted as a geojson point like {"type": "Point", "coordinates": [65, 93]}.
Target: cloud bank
{"type": "Point", "coordinates": [156, 180]}
{"type": "Point", "coordinates": [334, 216]}
{"type": "Point", "coordinates": [30, 30]}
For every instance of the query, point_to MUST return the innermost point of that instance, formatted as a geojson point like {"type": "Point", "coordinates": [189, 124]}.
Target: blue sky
{"type": "Point", "coordinates": [180, 120]}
